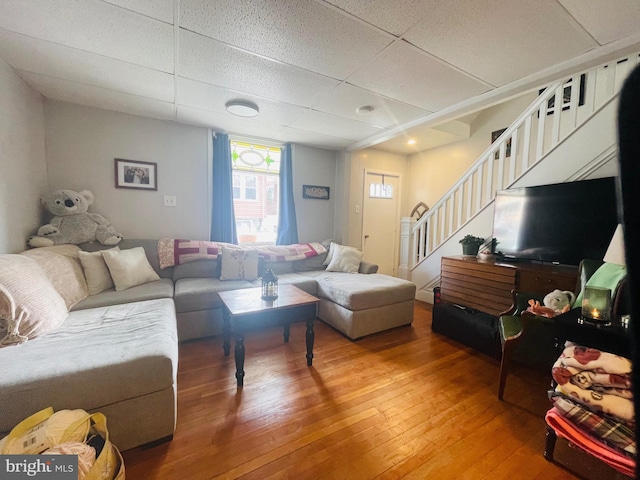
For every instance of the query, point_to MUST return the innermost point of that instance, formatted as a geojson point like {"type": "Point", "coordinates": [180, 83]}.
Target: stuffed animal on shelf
{"type": "Point", "coordinates": [71, 223]}
{"type": "Point", "coordinates": [555, 303]}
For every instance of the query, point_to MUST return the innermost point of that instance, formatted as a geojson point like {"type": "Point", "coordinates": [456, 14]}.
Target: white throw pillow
{"type": "Point", "coordinates": [332, 248]}
{"type": "Point", "coordinates": [345, 259]}
{"type": "Point", "coordinates": [239, 264]}
{"type": "Point", "coordinates": [129, 268]}
{"type": "Point", "coordinates": [96, 271]}
{"type": "Point", "coordinates": [29, 303]}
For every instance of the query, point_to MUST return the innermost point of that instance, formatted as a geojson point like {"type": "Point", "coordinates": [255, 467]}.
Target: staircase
{"type": "Point", "coordinates": [533, 150]}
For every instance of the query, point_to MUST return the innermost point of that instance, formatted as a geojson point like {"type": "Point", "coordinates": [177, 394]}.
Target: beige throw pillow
{"type": "Point", "coordinates": [29, 303]}
{"type": "Point", "coordinates": [239, 264]}
{"type": "Point", "coordinates": [344, 259]}
{"type": "Point", "coordinates": [129, 268]}
{"type": "Point", "coordinates": [62, 267]}
{"type": "Point", "coordinates": [96, 271]}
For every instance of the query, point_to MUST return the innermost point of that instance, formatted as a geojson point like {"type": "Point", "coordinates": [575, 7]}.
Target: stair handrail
{"type": "Point", "coordinates": [425, 241]}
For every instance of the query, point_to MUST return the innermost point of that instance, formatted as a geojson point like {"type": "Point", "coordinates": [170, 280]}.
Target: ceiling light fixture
{"type": "Point", "coordinates": [242, 108]}
{"type": "Point", "coordinates": [411, 142]}
{"type": "Point", "coordinates": [365, 110]}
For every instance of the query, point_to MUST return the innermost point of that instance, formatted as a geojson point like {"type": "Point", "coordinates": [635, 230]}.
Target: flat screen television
{"type": "Point", "coordinates": [559, 223]}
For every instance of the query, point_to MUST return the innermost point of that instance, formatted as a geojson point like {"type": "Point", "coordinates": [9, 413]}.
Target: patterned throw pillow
{"type": "Point", "coordinates": [239, 264]}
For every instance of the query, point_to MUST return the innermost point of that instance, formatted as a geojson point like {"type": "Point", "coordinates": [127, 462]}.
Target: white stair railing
{"type": "Point", "coordinates": [532, 136]}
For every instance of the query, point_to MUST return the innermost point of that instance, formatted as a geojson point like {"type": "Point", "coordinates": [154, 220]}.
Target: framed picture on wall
{"type": "Point", "coordinates": [494, 137]}
{"type": "Point", "coordinates": [315, 191]}
{"type": "Point", "coordinates": [136, 174]}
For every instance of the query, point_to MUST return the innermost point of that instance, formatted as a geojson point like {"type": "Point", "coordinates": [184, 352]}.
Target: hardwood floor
{"type": "Point", "coordinates": [407, 403]}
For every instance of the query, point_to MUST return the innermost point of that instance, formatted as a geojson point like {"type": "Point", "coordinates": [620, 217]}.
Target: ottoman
{"type": "Point", "coordinates": [362, 304]}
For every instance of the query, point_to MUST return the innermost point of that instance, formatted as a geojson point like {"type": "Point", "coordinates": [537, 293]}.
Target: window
{"type": "Point", "coordinates": [256, 177]}
{"type": "Point", "coordinates": [380, 190]}
{"type": "Point", "coordinates": [244, 186]}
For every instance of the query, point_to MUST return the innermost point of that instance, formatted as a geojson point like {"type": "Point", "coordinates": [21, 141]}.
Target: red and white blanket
{"type": "Point", "coordinates": [174, 251]}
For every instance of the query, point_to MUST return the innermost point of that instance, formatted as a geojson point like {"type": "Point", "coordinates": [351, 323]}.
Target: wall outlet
{"type": "Point", "coordinates": [170, 201]}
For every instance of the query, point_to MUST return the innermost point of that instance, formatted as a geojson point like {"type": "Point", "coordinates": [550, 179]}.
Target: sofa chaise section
{"type": "Point", "coordinates": [120, 360]}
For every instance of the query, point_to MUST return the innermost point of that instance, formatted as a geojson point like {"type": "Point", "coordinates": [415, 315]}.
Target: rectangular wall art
{"type": "Point", "coordinates": [136, 174]}
{"type": "Point", "coordinates": [315, 191]}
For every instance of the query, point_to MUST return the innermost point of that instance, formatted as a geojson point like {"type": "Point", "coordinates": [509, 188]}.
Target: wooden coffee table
{"type": "Point", "coordinates": [245, 309]}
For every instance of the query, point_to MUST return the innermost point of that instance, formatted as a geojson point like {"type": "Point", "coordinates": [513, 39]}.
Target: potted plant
{"type": "Point", "coordinates": [471, 244]}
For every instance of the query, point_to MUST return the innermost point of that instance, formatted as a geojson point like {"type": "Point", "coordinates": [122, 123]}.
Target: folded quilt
{"type": "Point", "coordinates": [566, 429]}
{"type": "Point", "coordinates": [176, 252]}
{"type": "Point", "coordinates": [612, 432]}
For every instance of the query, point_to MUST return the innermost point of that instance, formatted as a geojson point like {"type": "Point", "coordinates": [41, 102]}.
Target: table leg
{"type": "Point", "coordinates": [226, 333]}
{"type": "Point", "coordinates": [286, 332]}
{"type": "Point", "coordinates": [310, 340]}
{"type": "Point", "coordinates": [550, 444]}
{"type": "Point", "coordinates": [239, 354]}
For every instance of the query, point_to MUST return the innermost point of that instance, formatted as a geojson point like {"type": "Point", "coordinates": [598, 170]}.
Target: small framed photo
{"type": "Point", "coordinates": [136, 174]}
{"type": "Point", "coordinates": [315, 192]}
{"type": "Point", "coordinates": [494, 137]}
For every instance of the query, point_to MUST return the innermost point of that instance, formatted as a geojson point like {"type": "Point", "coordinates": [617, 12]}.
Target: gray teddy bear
{"type": "Point", "coordinates": [71, 223]}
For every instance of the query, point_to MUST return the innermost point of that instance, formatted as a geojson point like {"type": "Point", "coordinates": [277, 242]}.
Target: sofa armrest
{"type": "Point", "coordinates": [366, 267]}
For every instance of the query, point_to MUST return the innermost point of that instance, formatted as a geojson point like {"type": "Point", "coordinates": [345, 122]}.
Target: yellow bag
{"type": "Point", "coordinates": [109, 463]}
{"type": "Point", "coordinates": [28, 438]}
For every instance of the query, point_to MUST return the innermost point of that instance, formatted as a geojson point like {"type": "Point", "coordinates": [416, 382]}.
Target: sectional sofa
{"type": "Point", "coordinates": [117, 350]}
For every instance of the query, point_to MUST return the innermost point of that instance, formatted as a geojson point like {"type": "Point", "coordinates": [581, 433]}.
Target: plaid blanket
{"type": "Point", "coordinates": [614, 433]}
{"type": "Point", "coordinates": [589, 444]}
{"type": "Point", "coordinates": [176, 252]}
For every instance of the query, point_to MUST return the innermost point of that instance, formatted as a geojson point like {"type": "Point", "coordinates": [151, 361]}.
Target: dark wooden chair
{"type": "Point", "coordinates": [529, 338]}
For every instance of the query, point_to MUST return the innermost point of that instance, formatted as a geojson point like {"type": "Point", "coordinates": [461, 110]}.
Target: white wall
{"type": "Point", "coordinates": [82, 143]}
{"type": "Point", "coordinates": [23, 169]}
{"type": "Point", "coordinates": [431, 173]}
{"type": "Point", "coordinates": [313, 166]}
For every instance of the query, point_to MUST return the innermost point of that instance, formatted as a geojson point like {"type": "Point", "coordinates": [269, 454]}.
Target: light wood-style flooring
{"type": "Point", "coordinates": [407, 403]}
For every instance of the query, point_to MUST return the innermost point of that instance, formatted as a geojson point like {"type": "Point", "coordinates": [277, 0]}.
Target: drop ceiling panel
{"type": "Point", "coordinates": [500, 41]}
{"type": "Point", "coordinates": [304, 33]}
{"type": "Point", "coordinates": [345, 99]}
{"type": "Point", "coordinates": [52, 60]}
{"type": "Point", "coordinates": [93, 26]}
{"type": "Point", "coordinates": [218, 121]}
{"type": "Point", "coordinates": [67, 91]}
{"type": "Point", "coordinates": [606, 21]}
{"type": "Point", "coordinates": [210, 61]}
{"type": "Point", "coordinates": [425, 138]}
{"type": "Point", "coordinates": [404, 73]}
{"type": "Point", "coordinates": [208, 97]}
{"type": "Point", "coordinates": [158, 9]}
{"type": "Point", "coordinates": [395, 17]}
{"type": "Point", "coordinates": [335, 126]}
{"type": "Point", "coordinates": [306, 63]}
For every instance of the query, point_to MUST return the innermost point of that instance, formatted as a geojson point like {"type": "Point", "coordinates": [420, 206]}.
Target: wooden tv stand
{"type": "Point", "coordinates": [486, 285]}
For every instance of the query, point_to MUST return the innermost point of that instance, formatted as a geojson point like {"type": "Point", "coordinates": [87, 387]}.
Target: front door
{"type": "Point", "coordinates": [381, 219]}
